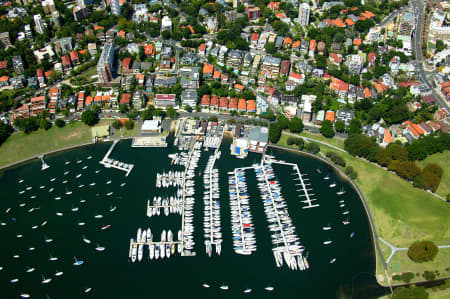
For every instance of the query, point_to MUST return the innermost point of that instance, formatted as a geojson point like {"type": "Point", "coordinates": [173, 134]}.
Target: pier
{"type": "Point", "coordinates": [111, 163]}
{"type": "Point", "coordinates": [44, 165]}
{"type": "Point", "coordinates": [302, 183]}
{"type": "Point", "coordinates": [134, 243]}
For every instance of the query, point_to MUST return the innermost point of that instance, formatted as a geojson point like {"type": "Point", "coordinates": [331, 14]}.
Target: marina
{"type": "Point", "coordinates": [111, 163]}
{"type": "Point", "coordinates": [269, 221]}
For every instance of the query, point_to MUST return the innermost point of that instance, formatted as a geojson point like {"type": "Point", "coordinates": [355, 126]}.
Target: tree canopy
{"type": "Point", "coordinates": [89, 117]}
{"type": "Point", "coordinates": [422, 251]}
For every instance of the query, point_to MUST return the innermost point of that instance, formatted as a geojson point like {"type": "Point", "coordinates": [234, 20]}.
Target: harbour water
{"type": "Point", "coordinates": [111, 274]}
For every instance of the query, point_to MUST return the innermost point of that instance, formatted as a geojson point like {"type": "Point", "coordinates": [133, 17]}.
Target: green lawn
{"type": "Point", "coordinates": [338, 142]}
{"type": "Point", "coordinates": [443, 160]}
{"type": "Point", "coordinates": [401, 213]}
{"type": "Point", "coordinates": [20, 146]}
{"type": "Point", "coordinates": [125, 133]}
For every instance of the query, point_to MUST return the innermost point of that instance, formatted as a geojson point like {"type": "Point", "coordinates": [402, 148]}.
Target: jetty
{"type": "Point", "coordinates": [111, 163]}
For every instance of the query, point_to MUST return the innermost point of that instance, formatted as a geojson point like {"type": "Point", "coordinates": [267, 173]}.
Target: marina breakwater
{"type": "Point", "coordinates": [111, 274]}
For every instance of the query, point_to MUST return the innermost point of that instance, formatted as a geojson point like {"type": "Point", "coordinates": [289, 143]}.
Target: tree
{"type": "Point", "coordinates": [327, 129]}
{"type": "Point", "coordinates": [45, 124]}
{"type": "Point", "coordinates": [300, 143]}
{"type": "Point", "coordinates": [147, 114]}
{"type": "Point", "coordinates": [339, 126]}
{"type": "Point", "coordinates": [351, 172]}
{"type": "Point", "coordinates": [434, 169]}
{"type": "Point", "coordinates": [270, 48]}
{"type": "Point", "coordinates": [407, 169]}
{"type": "Point", "coordinates": [411, 292]}
{"type": "Point", "coordinates": [5, 131]}
{"type": "Point", "coordinates": [60, 123]}
{"type": "Point", "coordinates": [129, 124]}
{"type": "Point", "coordinates": [116, 124]}
{"type": "Point", "coordinates": [89, 117]}
{"type": "Point", "coordinates": [123, 108]}
{"type": "Point", "coordinates": [312, 148]}
{"type": "Point", "coordinates": [274, 132]}
{"type": "Point", "coordinates": [384, 157]}
{"type": "Point", "coordinates": [188, 108]}
{"type": "Point", "coordinates": [338, 160]}
{"type": "Point", "coordinates": [171, 112]}
{"type": "Point", "coordinates": [355, 126]}
{"type": "Point", "coordinates": [290, 141]}
{"type": "Point", "coordinates": [133, 114]}
{"type": "Point", "coordinates": [283, 122]}
{"type": "Point", "coordinates": [296, 125]}
{"type": "Point", "coordinates": [422, 251]}
{"type": "Point", "coordinates": [398, 152]}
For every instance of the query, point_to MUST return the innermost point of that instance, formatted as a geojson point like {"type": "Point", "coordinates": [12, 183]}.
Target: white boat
{"type": "Point", "coordinates": [59, 214]}
{"type": "Point", "coordinates": [21, 181]}
{"type": "Point", "coordinates": [123, 184]}
{"type": "Point", "coordinates": [14, 280]}
{"type": "Point", "coordinates": [52, 179]}
{"type": "Point", "coordinates": [51, 189]}
{"type": "Point", "coordinates": [140, 252]}
{"type": "Point", "coordinates": [97, 171]}
{"type": "Point", "coordinates": [24, 295]}
{"type": "Point", "coordinates": [29, 270]}
{"type": "Point", "coordinates": [152, 251]}
{"type": "Point", "coordinates": [43, 223]}
{"type": "Point", "coordinates": [46, 280]}
{"type": "Point", "coordinates": [52, 258]}
{"type": "Point", "coordinates": [59, 273]}
{"type": "Point", "coordinates": [247, 291]}
{"type": "Point", "coordinates": [134, 253]}
{"type": "Point", "coordinates": [270, 289]}
{"type": "Point", "coordinates": [77, 262]}
{"type": "Point", "coordinates": [99, 248]}
{"type": "Point", "coordinates": [326, 227]}
{"type": "Point", "coordinates": [92, 184]}
{"type": "Point", "coordinates": [31, 248]}
{"type": "Point", "coordinates": [138, 235]}
{"type": "Point", "coordinates": [333, 185]}
{"type": "Point", "coordinates": [81, 223]}
{"type": "Point", "coordinates": [327, 242]}
{"type": "Point", "coordinates": [87, 241]}
{"type": "Point", "coordinates": [78, 175]}
{"type": "Point", "coordinates": [99, 216]}
{"type": "Point", "coordinates": [109, 194]}
{"type": "Point", "coordinates": [224, 287]}
{"type": "Point", "coordinates": [87, 290]}
{"type": "Point", "coordinates": [206, 285]}
{"type": "Point", "coordinates": [332, 261]}
{"type": "Point", "coordinates": [108, 182]}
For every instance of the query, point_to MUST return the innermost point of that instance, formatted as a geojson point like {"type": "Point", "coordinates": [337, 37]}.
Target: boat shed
{"type": "Point", "coordinates": [258, 138]}
{"type": "Point", "coordinates": [151, 127]}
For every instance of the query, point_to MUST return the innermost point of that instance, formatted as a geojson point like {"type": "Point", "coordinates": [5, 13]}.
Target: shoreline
{"type": "Point", "coordinates": [379, 253]}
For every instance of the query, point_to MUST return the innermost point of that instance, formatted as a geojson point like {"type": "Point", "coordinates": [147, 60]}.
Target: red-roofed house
{"type": "Point", "coordinates": [371, 58]}
{"type": "Point", "coordinates": [125, 99]}
{"type": "Point", "coordinates": [3, 64]}
{"type": "Point", "coordinates": [126, 65]}
{"type": "Point", "coordinates": [329, 115]}
{"type": "Point", "coordinates": [242, 105]}
{"type": "Point", "coordinates": [339, 87]}
{"type": "Point", "coordinates": [254, 38]}
{"type": "Point", "coordinates": [232, 104]}
{"type": "Point", "coordinates": [37, 105]}
{"type": "Point", "coordinates": [223, 104]}
{"type": "Point", "coordinates": [40, 77]}
{"type": "Point", "coordinates": [273, 5]}
{"type": "Point", "coordinates": [80, 101]}
{"type": "Point", "coordinates": [387, 138]}
{"type": "Point", "coordinates": [205, 101]}
{"type": "Point", "coordinates": [208, 70]}
{"type": "Point", "coordinates": [214, 102]}
{"type": "Point", "coordinates": [338, 22]}
{"type": "Point", "coordinates": [201, 49]}
{"type": "Point", "coordinates": [357, 42]}
{"type": "Point", "coordinates": [285, 66]}
{"type": "Point", "coordinates": [251, 106]}
{"type": "Point", "coordinates": [20, 112]}
{"type": "Point", "coordinates": [89, 100]}
{"type": "Point", "coordinates": [336, 58]}
{"type": "Point", "coordinates": [296, 44]}
{"type": "Point", "coordinates": [239, 87]}
{"type": "Point", "coordinates": [297, 78]}
{"type": "Point", "coordinates": [65, 61]}
{"type": "Point", "coordinates": [287, 42]}
{"type": "Point", "coordinates": [54, 95]}
{"type": "Point", "coordinates": [149, 50]}
{"type": "Point", "coordinates": [440, 114]}
{"type": "Point", "coordinates": [349, 22]}
{"type": "Point", "coordinates": [312, 47]}
{"type": "Point", "coordinates": [74, 57]}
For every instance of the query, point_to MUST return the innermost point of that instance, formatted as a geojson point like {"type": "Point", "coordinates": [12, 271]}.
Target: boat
{"type": "Point", "coordinates": [24, 295]}
{"type": "Point", "coordinates": [108, 182]}
{"type": "Point", "coordinates": [269, 288]}
{"type": "Point", "coordinates": [332, 261]}
{"type": "Point", "coordinates": [328, 227]}
{"type": "Point", "coordinates": [21, 181]}
{"type": "Point", "coordinates": [77, 262]}
{"type": "Point", "coordinates": [87, 290]}
{"type": "Point", "coordinates": [134, 253]}
{"type": "Point", "coordinates": [14, 280]}
{"type": "Point", "coordinates": [327, 242]}
{"type": "Point", "coordinates": [81, 223]}
{"type": "Point", "coordinates": [51, 189]}
{"type": "Point", "coordinates": [152, 251]}
{"type": "Point", "coordinates": [340, 192]}
{"type": "Point", "coordinates": [247, 291]}
{"type": "Point", "coordinates": [87, 241]}
{"type": "Point", "coordinates": [99, 248]}
{"type": "Point", "coordinates": [106, 226]}
{"type": "Point", "coordinates": [46, 280]}
{"type": "Point", "coordinates": [345, 222]}
{"type": "Point", "coordinates": [318, 170]}
{"type": "Point", "coordinates": [333, 185]}
{"type": "Point", "coordinates": [78, 175]}
{"type": "Point", "coordinates": [59, 214]}
{"type": "Point", "coordinates": [109, 194]}
{"type": "Point", "coordinates": [140, 252]}
{"type": "Point", "coordinates": [206, 285]}
{"type": "Point", "coordinates": [59, 273]}
{"type": "Point", "coordinates": [99, 216]}
{"type": "Point", "coordinates": [43, 223]}
{"type": "Point", "coordinates": [352, 235]}
{"type": "Point", "coordinates": [31, 248]}
{"type": "Point", "coordinates": [52, 258]}
{"type": "Point", "coordinates": [224, 287]}
{"type": "Point", "coordinates": [112, 209]}
{"type": "Point", "coordinates": [123, 184]}
{"type": "Point", "coordinates": [29, 270]}
{"type": "Point", "coordinates": [89, 157]}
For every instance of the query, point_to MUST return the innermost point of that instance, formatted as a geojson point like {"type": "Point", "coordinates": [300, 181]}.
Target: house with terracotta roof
{"type": "Point", "coordinates": [65, 61]}
{"type": "Point", "coordinates": [74, 57]}
{"type": "Point", "coordinates": [440, 114]}
{"type": "Point", "coordinates": [205, 101]}
{"type": "Point", "coordinates": [37, 105]}
{"type": "Point", "coordinates": [232, 104]}
{"type": "Point", "coordinates": [338, 23]}
{"type": "Point", "coordinates": [296, 44]}
{"type": "Point", "coordinates": [149, 50]}
{"type": "Point", "coordinates": [208, 70]}
{"type": "Point", "coordinates": [125, 99]}
{"type": "Point", "coordinates": [140, 78]}
{"type": "Point", "coordinates": [202, 49]}
{"type": "Point", "coordinates": [20, 112]}
{"type": "Point", "coordinates": [338, 86]}
{"type": "Point", "coordinates": [273, 5]}
{"type": "Point", "coordinates": [335, 58]}
{"type": "Point", "coordinates": [3, 64]}
{"type": "Point", "coordinates": [297, 78]}
{"type": "Point", "coordinates": [357, 42]}
{"type": "Point", "coordinates": [80, 101]}
{"type": "Point", "coordinates": [4, 81]}
{"type": "Point", "coordinates": [387, 138]}
{"type": "Point", "coordinates": [330, 115]}
{"type": "Point", "coordinates": [214, 104]}
{"type": "Point", "coordinates": [242, 105]}
{"type": "Point", "coordinates": [312, 47]}
{"type": "Point", "coordinates": [239, 87]}
{"type": "Point", "coordinates": [126, 65]}
{"type": "Point", "coordinates": [349, 22]}
{"type": "Point", "coordinates": [285, 67]}
{"type": "Point", "coordinates": [371, 58]}
{"type": "Point", "coordinates": [223, 104]}
{"type": "Point", "coordinates": [54, 96]}
{"type": "Point", "coordinates": [254, 38]}
{"type": "Point", "coordinates": [287, 42]}
{"type": "Point", "coordinates": [251, 106]}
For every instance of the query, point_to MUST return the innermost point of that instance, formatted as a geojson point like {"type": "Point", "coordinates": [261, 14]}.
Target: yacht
{"type": "Point", "coordinates": [24, 295]}
{"type": "Point", "coordinates": [112, 208]}
{"type": "Point", "coordinates": [59, 273]}
{"type": "Point", "coordinates": [352, 235]}
{"type": "Point", "coordinates": [44, 223]}
{"type": "Point", "coordinates": [109, 194]}
{"type": "Point", "coordinates": [92, 184]}
{"type": "Point", "coordinates": [14, 280]}
{"type": "Point", "coordinates": [108, 182]}
{"type": "Point", "coordinates": [206, 285]}
{"type": "Point", "coordinates": [59, 214]}
{"type": "Point", "coordinates": [81, 223]}
{"type": "Point", "coordinates": [247, 291]}
{"type": "Point", "coordinates": [99, 216]}
{"type": "Point", "coordinates": [332, 261]}
{"type": "Point", "coordinates": [134, 253]}
{"type": "Point", "coordinates": [152, 251]}
{"type": "Point", "coordinates": [140, 252]}
{"type": "Point", "coordinates": [87, 241]}
{"type": "Point", "coordinates": [21, 181]}
{"type": "Point", "coordinates": [52, 258]}
{"type": "Point", "coordinates": [77, 262]}
{"type": "Point", "coordinates": [106, 226]}
{"type": "Point", "coordinates": [345, 222]}
{"type": "Point", "coordinates": [99, 248]}
{"type": "Point", "coordinates": [87, 290]}
{"type": "Point", "coordinates": [31, 248]}
{"type": "Point", "coordinates": [224, 287]}
{"type": "Point", "coordinates": [327, 242]}
{"type": "Point", "coordinates": [328, 227]}
{"type": "Point", "coordinates": [78, 175]}
{"type": "Point", "coordinates": [270, 289]}
{"type": "Point", "coordinates": [30, 270]}
{"type": "Point", "coordinates": [52, 179]}
{"type": "Point", "coordinates": [89, 157]}
{"type": "Point", "coordinates": [123, 184]}
{"type": "Point", "coordinates": [46, 280]}
{"type": "Point", "coordinates": [97, 171]}
{"type": "Point", "coordinates": [51, 189]}
{"type": "Point", "coordinates": [48, 240]}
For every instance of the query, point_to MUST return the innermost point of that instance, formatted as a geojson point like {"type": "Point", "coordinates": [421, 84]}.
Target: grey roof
{"type": "Point", "coordinates": [272, 60]}
{"type": "Point", "coordinates": [260, 134]}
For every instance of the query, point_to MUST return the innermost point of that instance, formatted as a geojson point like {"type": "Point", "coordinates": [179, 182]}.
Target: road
{"type": "Point", "coordinates": [417, 45]}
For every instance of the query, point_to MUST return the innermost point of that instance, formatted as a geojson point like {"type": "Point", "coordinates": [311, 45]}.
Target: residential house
{"type": "Point", "coordinates": [272, 65]}
{"type": "Point", "coordinates": [223, 104]}
{"type": "Point", "coordinates": [234, 59]}
{"type": "Point", "coordinates": [285, 67]}
{"type": "Point", "coordinates": [214, 104]}
{"type": "Point", "coordinates": [232, 104]}
{"type": "Point", "coordinates": [65, 61]}
{"type": "Point", "coordinates": [165, 100]}
{"type": "Point", "coordinates": [37, 105]}
{"type": "Point", "coordinates": [139, 99]}
{"type": "Point", "coordinates": [205, 101]}
{"type": "Point", "coordinates": [242, 105]}
{"type": "Point", "coordinates": [54, 97]}
{"type": "Point", "coordinates": [338, 86]}
{"type": "Point", "coordinates": [17, 64]}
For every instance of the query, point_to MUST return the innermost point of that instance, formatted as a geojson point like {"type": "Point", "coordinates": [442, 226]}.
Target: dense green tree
{"type": "Point", "coordinates": [283, 121]}
{"type": "Point", "coordinates": [384, 157]}
{"type": "Point", "coordinates": [408, 169]}
{"type": "Point", "coordinates": [27, 125]}
{"type": "Point", "coordinates": [359, 145]}
{"type": "Point", "coordinates": [274, 132]}
{"type": "Point", "coordinates": [338, 160]}
{"type": "Point", "coordinates": [147, 114]}
{"type": "Point", "coordinates": [129, 124]}
{"type": "Point", "coordinates": [171, 112]}
{"type": "Point", "coordinates": [410, 293]}
{"type": "Point", "coordinates": [270, 48]}
{"type": "Point", "coordinates": [434, 169]}
{"type": "Point", "coordinates": [355, 126]}
{"type": "Point", "coordinates": [60, 123]}
{"type": "Point", "coordinates": [5, 131]}
{"type": "Point", "coordinates": [116, 124]}
{"type": "Point", "coordinates": [398, 152]}
{"type": "Point", "coordinates": [312, 147]}
{"type": "Point", "coordinates": [327, 129]}
{"type": "Point", "coordinates": [188, 108]}
{"type": "Point", "coordinates": [296, 125]}
{"type": "Point", "coordinates": [133, 114]}
{"type": "Point", "coordinates": [89, 117]}
{"type": "Point", "coordinates": [422, 251]}
{"type": "Point", "coordinates": [123, 108]}
{"type": "Point", "coordinates": [339, 126]}
{"type": "Point", "coordinates": [351, 172]}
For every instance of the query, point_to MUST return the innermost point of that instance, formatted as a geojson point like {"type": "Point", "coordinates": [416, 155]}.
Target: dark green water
{"type": "Point", "coordinates": [111, 274]}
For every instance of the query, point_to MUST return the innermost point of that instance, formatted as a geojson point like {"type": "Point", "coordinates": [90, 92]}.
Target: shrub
{"type": "Point", "coordinates": [338, 160]}
{"type": "Point", "coordinates": [312, 148]}
{"type": "Point", "coordinates": [411, 292]}
{"type": "Point", "coordinates": [300, 143]}
{"type": "Point", "coordinates": [290, 141]}
{"type": "Point", "coordinates": [407, 276]}
{"type": "Point", "coordinates": [429, 275]}
{"type": "Point", "coordinates": [60, 123]}
{"type": "Point", "coordinates": [116, 124]}
{"type": "Point", "coordinates": [422, 251]}
{"type": "Point", "coordinates": [351, 172]}
{"type": "Point", "coordinates": [129, 124]}
{"type": "Point", "coordinates": [45, 124]}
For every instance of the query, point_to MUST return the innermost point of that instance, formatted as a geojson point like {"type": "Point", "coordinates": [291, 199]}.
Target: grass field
{"type": "Point", "coordinates": [401, 213]}
{"type": "Point", "coordinates": [443, 160]}
{"type": "Point", "coordinates": [20, 146]}
{"type": "Point", "coordinates": [125, 133]}
{"type": "Point", "coordinates": [338, 142]}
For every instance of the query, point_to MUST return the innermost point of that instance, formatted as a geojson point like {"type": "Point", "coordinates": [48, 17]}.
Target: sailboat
{"type": "Point", "coordinates": [59, 273]}
{"type": "Point", "coordinates": [46, 280]}
{"type": "Point", "coordinates": [87, 241]}
{"type": "Point", "coordinates": [327, 242]}
{"type": "Point", "coordinates": [99, 248]}
{"type": "Point", "coordinates": [14, 280]}
{"type": "Point", "coordinates": [25, 295]}
{"type": "Point", "coordinates": [29, 270]}
{"type": "Point", "coordinates": [247, 291]}
{"type": "Point", "coordinates": [269, 288]}
{"type": "Point", "coordinates": [43, 223]}
{"type": "Point", "coordinates": [341, 191]}
{"type": "Point", "coordinates": [206, 285]}
{"type": "Point", "coordinates": [328, 227]}
{"type": "Point", "coordinates": [224, 287]}
{"type": "Point", "coordinates": [87, 290]}
{"type": "Point", "coordinates": [332, 261]}
{"type": "Point", "coordinates": [77, 262]}
{"type": "Point", "coordinates": [52, 258]}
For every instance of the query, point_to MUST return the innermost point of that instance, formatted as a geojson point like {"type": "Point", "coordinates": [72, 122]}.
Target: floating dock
{"type": "Point", "coordinates": [111, 163]}
{"type": "Point", "coordinates": [44, 165]}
